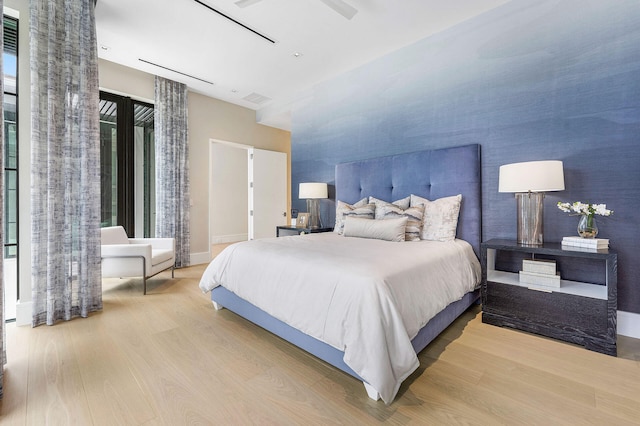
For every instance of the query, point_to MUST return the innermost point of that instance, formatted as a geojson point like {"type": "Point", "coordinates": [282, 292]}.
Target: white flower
{"type": "Point", "coordinates": [602, 210]}
{"type": "Point", "coordinates": [580, 208]}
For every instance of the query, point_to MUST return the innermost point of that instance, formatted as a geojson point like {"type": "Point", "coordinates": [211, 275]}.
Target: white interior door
{"type": "Point", "coordinates": [267, 192]}
{"type": "Point", "coordinates": [228, 193]}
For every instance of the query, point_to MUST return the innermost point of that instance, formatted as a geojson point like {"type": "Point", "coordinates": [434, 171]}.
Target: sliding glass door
{"type": "Point", "coordinates": [127, 164]}
{"type": "Point", "coordinates": [10, 105]}
{"type": "Point", "coordinates": [109, 162]}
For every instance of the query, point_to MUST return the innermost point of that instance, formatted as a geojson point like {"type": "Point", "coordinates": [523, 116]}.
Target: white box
{"type": "Point", "coordinates": [541, 266]}
{"type": "Point", "coordinates": [546, 280]}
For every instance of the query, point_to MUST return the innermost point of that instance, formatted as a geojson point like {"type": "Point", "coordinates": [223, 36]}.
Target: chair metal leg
{"type": "Point", "coordinates": [144, 276]}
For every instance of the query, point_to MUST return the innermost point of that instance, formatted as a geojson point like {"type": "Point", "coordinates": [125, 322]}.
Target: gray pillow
{"type": "Point", "coordinates": [387, 230]}
{"type": "Point", "coordinates": [413, 214]}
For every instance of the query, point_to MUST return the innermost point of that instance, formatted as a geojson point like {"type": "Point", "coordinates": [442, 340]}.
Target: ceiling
{"type": "Point", "coordinates": [186, 41]}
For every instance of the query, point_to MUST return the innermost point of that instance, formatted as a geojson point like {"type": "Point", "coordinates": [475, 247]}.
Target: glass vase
{"type": "Point", "coordinates": [587, 227]}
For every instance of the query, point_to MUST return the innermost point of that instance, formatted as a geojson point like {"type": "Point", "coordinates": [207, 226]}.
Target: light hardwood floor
{"type": "Point", "coordinates": [169, 358]}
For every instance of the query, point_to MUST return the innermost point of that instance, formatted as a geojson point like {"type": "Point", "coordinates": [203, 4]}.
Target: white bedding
{"type": "Point", "coordinates": [365, 297]}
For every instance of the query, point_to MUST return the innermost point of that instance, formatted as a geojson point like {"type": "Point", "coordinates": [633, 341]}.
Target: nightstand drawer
{"type": "Point", "coordinates": [554, 310]}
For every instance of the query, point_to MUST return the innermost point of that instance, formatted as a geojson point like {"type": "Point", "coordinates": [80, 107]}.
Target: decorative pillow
{"type": "Point", "coordinates": [402, 203]}
{"type": "Point", "coordinates": [413, 214]}
{"type": "Point", "coordinates": [388, 230]}
{"type": "Point", "coordinates": [440, 218]}
{"type": "Point", "coordinates": [342, 207]}
{"type": "Point", "coordinates": [367, 211]}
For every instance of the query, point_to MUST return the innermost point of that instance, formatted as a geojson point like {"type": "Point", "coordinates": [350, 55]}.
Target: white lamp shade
{"type": "Point", "coordinates": [534, 176]}
{"type": "Point", "coordinates": [312, 190]}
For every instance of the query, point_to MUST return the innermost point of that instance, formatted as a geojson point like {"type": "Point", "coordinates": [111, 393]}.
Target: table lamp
{"type": "Point", "coordinates": [312, 192]}
{"type": "Point", "coordinates": [530, 180]}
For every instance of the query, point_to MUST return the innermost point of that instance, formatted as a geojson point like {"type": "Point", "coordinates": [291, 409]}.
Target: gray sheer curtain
{"type": "Point", "coordinates": [172, 166]}
{"type": "Point", "coordinates": [3, 335]}
{"type": "Point", "coordinates": [65, 161]}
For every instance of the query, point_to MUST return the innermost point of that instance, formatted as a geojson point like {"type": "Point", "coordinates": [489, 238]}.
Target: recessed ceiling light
{"type": "Point", "coordinates": [297, 54]}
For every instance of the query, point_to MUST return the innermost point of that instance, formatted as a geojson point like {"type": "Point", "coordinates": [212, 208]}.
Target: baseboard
{"type": "Point", "coordinates": [629, 324]}
{"type": "Point", "coordinates": [198, 258]}
{"type": "Point", "coordinates": [223, 239]}
{"type": "Point", "coordinates": [24, 313]}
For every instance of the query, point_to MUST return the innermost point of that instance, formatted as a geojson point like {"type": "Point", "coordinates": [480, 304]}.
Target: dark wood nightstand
{"type": "Point", "coordinates": [582, 312]}
{"type": "Point", "coordinates": [283, 231]}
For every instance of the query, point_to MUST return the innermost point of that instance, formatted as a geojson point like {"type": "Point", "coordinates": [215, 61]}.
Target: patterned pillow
{"type": "Point", "coordinates": [413, 214]}
{"type": "Point", "coordinates": [440, 217]}
{"type": "Point", "coordinates": [387, 230]}
{"type": "Point", "coordinates": [342, 207]}
{"type": "Point", "coordinates": [365, 212]}
{"type": "Point", "coordinates": [402, 203]}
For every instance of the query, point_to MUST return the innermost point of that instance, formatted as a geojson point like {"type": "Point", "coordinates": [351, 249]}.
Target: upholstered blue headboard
{"type": "Point", "coordinates": [431, 174]}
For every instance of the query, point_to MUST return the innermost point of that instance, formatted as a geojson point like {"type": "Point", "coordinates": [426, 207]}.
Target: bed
{"type": "Point", "coordinates": [349, 301]}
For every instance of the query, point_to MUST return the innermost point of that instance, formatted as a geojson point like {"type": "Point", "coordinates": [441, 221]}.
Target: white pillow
{"type": "Point", "coordinates": [402, 203]}
{"type": "Point", "coordinates": [440, 218]}
{"type": "Point", "coordinates": [342, 207]}
{"type": "Point", "coordinates": [388, 230]}
{"type": "Point", "coordinates": [413, 214]}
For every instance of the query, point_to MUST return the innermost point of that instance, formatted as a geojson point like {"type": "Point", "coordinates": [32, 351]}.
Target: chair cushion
{"type": "Point", "coordinates": [159, 256]}
{"type": "Point", "coordinates": [113, 235]}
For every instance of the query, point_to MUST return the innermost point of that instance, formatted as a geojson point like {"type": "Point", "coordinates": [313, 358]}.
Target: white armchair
{"type": "Point", "coordinates": [134, 257]}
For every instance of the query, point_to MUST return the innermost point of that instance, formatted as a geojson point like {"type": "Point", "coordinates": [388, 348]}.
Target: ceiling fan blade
{"type": "Point", "coordinates": [245, 3]}
{"type": "Point", "coordinates": [341, 7]}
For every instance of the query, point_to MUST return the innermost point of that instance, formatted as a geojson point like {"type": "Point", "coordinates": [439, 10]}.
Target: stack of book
{"type": "Point", "coordinates": [585, 244]}
{"type": "Point", "coordinates": [539, 273]}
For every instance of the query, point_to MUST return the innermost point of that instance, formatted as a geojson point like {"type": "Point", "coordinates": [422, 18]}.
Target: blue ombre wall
{"type": "Point", "coordinates": [530, 80]}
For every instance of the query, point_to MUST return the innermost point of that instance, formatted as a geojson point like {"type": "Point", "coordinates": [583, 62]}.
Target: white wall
{"type": "Point", "coordinates": [214, 119]}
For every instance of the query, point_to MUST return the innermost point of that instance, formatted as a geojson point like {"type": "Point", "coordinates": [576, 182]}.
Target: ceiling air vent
{"type": "Point", "coordinates": [256, 98]}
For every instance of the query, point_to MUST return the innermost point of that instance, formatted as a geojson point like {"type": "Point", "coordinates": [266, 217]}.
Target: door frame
{"type": "Point", "coordinates": [249, 149]}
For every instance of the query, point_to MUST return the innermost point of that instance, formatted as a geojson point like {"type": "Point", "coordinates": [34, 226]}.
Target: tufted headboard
{"type": "Point", "coordinates": [431, 174]}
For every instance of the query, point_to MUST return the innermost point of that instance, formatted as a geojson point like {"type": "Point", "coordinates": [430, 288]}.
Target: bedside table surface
{"type": "Point", "coordinates": [552, 248]}
{"type": "Point", "coordinates": [285, 231]}
{"type": "Point", "coordinates": [297, 228]}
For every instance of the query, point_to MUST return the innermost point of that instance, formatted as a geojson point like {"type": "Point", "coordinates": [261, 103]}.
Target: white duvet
{"type": "Point", "coordinates": [365, 297]}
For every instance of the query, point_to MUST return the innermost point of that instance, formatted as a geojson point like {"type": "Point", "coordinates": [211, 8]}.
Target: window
{"type": "Point", "coordinates": [10, 78]}
{"type": "Point", "coordinates": [127, 160]}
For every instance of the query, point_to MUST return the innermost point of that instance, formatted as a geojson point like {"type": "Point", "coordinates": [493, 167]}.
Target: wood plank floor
{"type": "Point", "coordinates": [169, 358]}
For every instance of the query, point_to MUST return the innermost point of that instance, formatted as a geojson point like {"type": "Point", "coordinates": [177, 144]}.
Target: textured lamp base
{"type": "Point", "coordinates": [530, 212]}
{"type": "Point", "coordinates": [313, 207]}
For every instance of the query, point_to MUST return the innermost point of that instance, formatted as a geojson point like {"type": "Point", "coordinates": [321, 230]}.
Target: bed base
{"type": "Point", "coordinates": [223, 298]}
